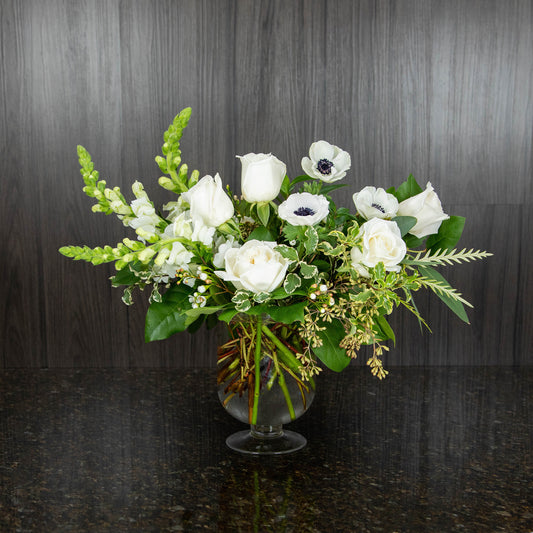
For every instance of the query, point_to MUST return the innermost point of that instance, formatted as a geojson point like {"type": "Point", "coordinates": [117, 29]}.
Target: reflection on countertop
{"type": "Point", "coordinates": [428, 449]}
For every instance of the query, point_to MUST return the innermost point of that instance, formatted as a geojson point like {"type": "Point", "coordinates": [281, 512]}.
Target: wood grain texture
{"type": "Point", "coordinates": [438, 89]}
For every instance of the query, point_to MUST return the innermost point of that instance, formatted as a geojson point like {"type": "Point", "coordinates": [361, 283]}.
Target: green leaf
{"type": "Point", "coordinates": [124, 277]}
{"type": "Point", "coordinates": [127, 297]}
{"type": "Point", "coordinates": [329, 188]}
{"type": "Point", "coordinates": [284, 189]}
{"type": "Point", "coordinates": [311, 240]}
{"type": "Point", "coordinates": [379, 271]}
{"type": "Point", "coordinates": [413, 242]}
{"type": "Point", "coordinates": [361, 297]}
{"type": "Point", "coordinates": [405, 224]}
{"type": "Point", "coordinates": [193, 314]}
{"type": "Point", "coordinates": [292, 233]}
{"type": "Point", "coordinates": [241, 299]}
{"type": "Point", "coordinates": [291, 283]}
{"type": "Point", "coordinates": [261, 234]}
{"type": "Point", "coordinates": [261, 297]}
{"type": "Point", "coordinates": [297, 180]}
{"type": "Point", "coordinates": [227, 316]}
{"type": "Point", "coordinates": [308, 271]}
{"type": "Point", "coordinates": [287, 314]}
{"type": "Point", "coordinates": [263, 212]}
{"type": "Point", "coordinates": [406, 190]}
{"type": "Point", "coordinates": [330, 353]}
{"type": "Point", "coordinates": [281, 293]}
{"type": "Point", "coordinates": [287, 252]}
{"type": "Point", "coordinates": [167, 317]}
{"type": "Point", "coordinates": [449, 233]}
{"type": "Point", "coordinates": [456, 306]}
{"type": "Point", "coordinates": [195, 326]}
{"type": "Point", "coordinates": [385, 327]}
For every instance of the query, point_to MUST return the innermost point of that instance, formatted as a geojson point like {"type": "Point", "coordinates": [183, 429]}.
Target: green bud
{"type": "Point", "coordinates": [193, 180]}
{"type": "Point", "coordinates": [162, 256]}
{"type": "Point", "coordinates": [138, 190]}
{"type": "Point", "coordinates": [146, 235]}
{"type": "Point", "coordinates": [146, 255]}
{"type": "Point", "coordinates": [183, 172]}
{"type": "Point", "coordinates": [167, 184]}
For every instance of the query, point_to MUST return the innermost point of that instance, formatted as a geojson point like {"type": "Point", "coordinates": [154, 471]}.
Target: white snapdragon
{"type": "Point", "coordinates": [262, 175]}
{"type": "Point", "coordinates": [146, 218]}
{"type": "Point", "coordinates": [326, 162]}
{"type": "Point", "coordinates": [177, 257]}
{"type": "Point", "coordinates": [375, 203]}
{"type": "Point", "coordinates": [256, 266]}
{"type": "Point", "coordinates": [304, 209]}
{"type": "Point", "coordinates": [427, 210]}
{"type": "Point", "coordinates": [223, 246]}
{"type": "Point", "coordinates": [382, 243]}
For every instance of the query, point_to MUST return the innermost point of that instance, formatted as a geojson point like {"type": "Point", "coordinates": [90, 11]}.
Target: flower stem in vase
{"type": "Point", "coordinates": [257, 369]}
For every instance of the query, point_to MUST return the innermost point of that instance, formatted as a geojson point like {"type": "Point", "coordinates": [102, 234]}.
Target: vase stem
{"type": "Point", "coordinates": [266, 432]}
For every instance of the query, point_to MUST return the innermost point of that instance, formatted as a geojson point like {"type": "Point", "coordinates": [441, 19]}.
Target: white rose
{"type": "Point", "coordinates": [427, 210]}
{"type": "Point", "coordinates": [326, 162]}
{"type": "Point", "coordinates": [357, 258]}
{"type": "Point", "coordinates": [375, 203]}
{"type": "Point", "coordinates": [255, 266]}
{"type": "Point", "coordinates": [382, 243]}
{"type": "Point", "coordinates": [209, 203]}
{"type": "Point", "coordinates": [262, 175]}
{"type": "Point", "coordinates": [304, 209]}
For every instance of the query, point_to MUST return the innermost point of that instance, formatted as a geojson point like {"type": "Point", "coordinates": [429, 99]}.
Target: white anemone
{"type": "Point", "coordinates": [304, 209]}
{"type": "Point", "coordinates": [375, 203]}
{"type": "Point", "coordinates": [326, 162]}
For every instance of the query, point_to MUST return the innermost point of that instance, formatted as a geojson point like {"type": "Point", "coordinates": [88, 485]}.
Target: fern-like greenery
{"type": "Point", "coordinates": [446, 257]}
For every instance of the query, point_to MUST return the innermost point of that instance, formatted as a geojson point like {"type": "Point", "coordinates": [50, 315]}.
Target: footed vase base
{"type": "Point", "coordinates": [252, 442]}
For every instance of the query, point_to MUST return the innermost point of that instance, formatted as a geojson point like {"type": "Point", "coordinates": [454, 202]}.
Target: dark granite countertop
{"type": "Point", "coordinates": [428, 449]}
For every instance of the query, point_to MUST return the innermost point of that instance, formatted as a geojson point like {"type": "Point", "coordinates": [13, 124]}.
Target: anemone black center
{"type": "Point", "coordinates": [378, 207]}
{"type": "Point", "coordinates": [304, 212]}
{"type": "Point", "coordinates": [324, 166]}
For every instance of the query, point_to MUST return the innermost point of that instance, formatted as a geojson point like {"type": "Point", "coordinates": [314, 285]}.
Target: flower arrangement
{"type": "Point", "coordinates": [281, 264]}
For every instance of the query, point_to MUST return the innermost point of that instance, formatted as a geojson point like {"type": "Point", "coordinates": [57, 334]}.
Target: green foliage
{"type": "Point", "coordinates": [436, 282]}
{"type": "Point", "coordinates": [311, 240]}
{"type": "Point", "coordinates": [330, 353]}
{"type": "Point", "coordinates": [286, 314]}
{"type": "Point", "coordinates": [327, 304]}
{"type": "Point", "coordinates": [405, 224]}
{"type": "Point", "coordinates": [242, 302]}
{"type": "Point", "coordinates": [170, 163]}
{"type": "Point", "coordinates": [108, 200]}
{"type": "Point", "coordinates": [385, 328]}
{"type": "Point", "coordinates": [263, 212]}
{"type": "Point", "coordinates": [261, 234]}
{"type": "Point", "coordinates": [448, 236]}
{"type": "Point", "coordinates": [291, 283]}
{"type": "Point", "coordinates": [167, 317]}
{"type": "Point", "coordinates": [406, 190]}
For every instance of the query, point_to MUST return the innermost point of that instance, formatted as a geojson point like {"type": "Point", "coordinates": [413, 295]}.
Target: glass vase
{"type": "Point", "coordinates": [260, 383]}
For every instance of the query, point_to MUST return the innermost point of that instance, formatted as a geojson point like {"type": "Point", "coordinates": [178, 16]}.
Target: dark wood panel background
{"type": "Point", "coordinates": [441, 89]}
